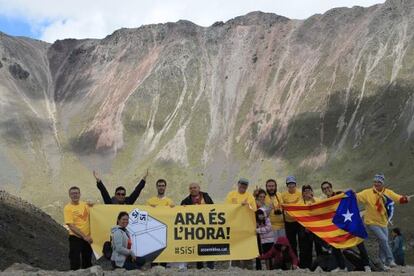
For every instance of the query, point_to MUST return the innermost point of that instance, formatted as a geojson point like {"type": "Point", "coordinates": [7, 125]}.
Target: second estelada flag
{"type": "Point", "coordinates": [336, 220]}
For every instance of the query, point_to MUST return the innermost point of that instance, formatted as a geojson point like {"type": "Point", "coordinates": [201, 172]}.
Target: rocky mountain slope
{"type": "Point", "coordinates": [259, 96]}
{"type": "Point", "coordinates": [30, 236]}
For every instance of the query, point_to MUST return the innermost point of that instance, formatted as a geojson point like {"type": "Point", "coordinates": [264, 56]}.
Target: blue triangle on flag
{"type": "Point", "coordinates": [347, 216]}
{"type": "Point", "coordinates": [389, 206]}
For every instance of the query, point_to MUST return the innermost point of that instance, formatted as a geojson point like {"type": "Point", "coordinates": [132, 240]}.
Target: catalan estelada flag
{"type": "Point", "coordinates": [336, 220]}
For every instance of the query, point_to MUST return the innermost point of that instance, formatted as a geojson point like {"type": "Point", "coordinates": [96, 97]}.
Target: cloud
{"type": "Point", "coordinates": [96, 19]}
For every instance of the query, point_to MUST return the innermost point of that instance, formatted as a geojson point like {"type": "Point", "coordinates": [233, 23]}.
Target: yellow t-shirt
{"type": "Point", "coordinates": [368, 197]}
{"type": "Point", "coordinates": [308, 202]}
{"type": "Point", "coordinates": [156, 201]}
{"type": "Point", "coordinates": [276, 220]}
{"type": "Point", "coordinates": [234, 197]}
{"type": "Point", "coordinates": [78, 215]}
{"type": "Point", "coordinates": [289, 198]}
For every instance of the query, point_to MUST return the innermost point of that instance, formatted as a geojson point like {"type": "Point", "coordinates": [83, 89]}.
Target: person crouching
{"type": "Point", "coordinates": [122, 254]}
{"type": "Point", "coordinates": [282, 254]}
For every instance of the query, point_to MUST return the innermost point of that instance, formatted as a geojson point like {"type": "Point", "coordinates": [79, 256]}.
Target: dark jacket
{"type": "Point", "coordinates": [206, 197]}
{"type": "Point", "coordinates": [128, 200]}
{"type": "Point", "coordinates": [397, 246]}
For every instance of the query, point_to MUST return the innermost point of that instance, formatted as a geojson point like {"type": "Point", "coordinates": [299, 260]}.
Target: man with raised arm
{"type": "Point", "coordinates": [379, 203]}
{"type": "Point", "coordinates": [120, 192]}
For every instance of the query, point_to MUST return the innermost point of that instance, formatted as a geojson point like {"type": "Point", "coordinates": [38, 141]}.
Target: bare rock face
{"type": "Point", "coordinates": [18, 72]}
{"type": "Point", "coordinates": [260, 96]}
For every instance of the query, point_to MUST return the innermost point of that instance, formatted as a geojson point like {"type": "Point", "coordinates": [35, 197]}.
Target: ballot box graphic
{"type": "Point", "coordinates": [148, 235]}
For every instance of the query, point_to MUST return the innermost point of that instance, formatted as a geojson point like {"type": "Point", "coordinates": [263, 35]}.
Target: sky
{"type": "Point", "coordinates": [50, 20]}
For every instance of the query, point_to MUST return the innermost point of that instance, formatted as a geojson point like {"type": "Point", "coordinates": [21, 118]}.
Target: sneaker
{"type": "Point", "coordinates": [367, 268]}
{"type": "Point", "coordinates": [387, 268]}
{"type": "Point", "coordinates": [339, 270]}
{"type": "Point", "coordinates": [392, 264]}
{"type": "Point", "coordinates": [318, 269]}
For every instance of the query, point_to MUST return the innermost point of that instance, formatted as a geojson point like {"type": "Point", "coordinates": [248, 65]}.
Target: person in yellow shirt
{"type": "Point", "coordinates": [160, 199]}
{"type": "Point", "coordinates": [291, 196]}
{"type": "Point", "coordinates": [274, 200]}
{"type": "Point", "coordinates": [242, 196]}
{"type": "Point", "coordinates": [378, 201]}
{"type": "Point", "coordinates": [76, 217]}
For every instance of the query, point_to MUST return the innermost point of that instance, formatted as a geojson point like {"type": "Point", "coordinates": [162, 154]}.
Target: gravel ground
{"type": "Point", "coordinates": [23, 269]}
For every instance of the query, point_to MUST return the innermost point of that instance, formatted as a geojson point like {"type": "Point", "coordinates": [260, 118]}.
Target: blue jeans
{"type": "Point", "coordinates": [385, 253]}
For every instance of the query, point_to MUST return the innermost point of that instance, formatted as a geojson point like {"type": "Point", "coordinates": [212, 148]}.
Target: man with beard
{"type": "Point", "coordinates": [274, 200]}
{"type": "Point", "coordinates": [160, 199]}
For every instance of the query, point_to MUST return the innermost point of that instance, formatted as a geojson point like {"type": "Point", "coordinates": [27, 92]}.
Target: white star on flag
{"type": "Point", "coordinates": [348, 216]}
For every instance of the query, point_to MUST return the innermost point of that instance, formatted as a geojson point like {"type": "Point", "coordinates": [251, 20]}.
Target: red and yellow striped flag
{"type": "Point", "coordinates": [319, 219]}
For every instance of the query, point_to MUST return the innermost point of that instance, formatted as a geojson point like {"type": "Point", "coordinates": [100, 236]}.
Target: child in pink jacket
{"type": "Point", "coordinates": [265, 235]}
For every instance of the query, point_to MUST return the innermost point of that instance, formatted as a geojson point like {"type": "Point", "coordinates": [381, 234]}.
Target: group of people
{"type": "Point", "coordinates": [270, 217]}
{"type": "Point", "coordinates": [283, 242]}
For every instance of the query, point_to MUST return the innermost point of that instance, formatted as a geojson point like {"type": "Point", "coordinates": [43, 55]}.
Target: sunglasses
{"type": "Point", "coordinates": [120, 194]}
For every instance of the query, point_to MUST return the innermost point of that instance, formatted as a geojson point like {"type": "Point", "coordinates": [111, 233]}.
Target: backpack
{"type": "Point", "coordinates": [107, 249]}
